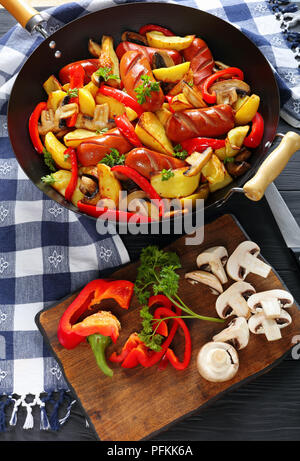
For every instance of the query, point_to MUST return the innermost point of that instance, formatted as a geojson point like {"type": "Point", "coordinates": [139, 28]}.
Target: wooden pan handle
{"type": "Point", "coordinates": [20, 9]}
{"type": "Point", "coordinates": [255, 188]}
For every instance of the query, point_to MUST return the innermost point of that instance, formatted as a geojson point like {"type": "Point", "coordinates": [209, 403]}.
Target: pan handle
{"type": "Point", "coordinates": [255, 188]}
{"type": "Point", "coordinates": [27, 16]}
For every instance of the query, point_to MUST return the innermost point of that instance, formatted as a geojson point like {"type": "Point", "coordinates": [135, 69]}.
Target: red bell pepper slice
{"type": "Point", "coordinates": [152, 27]}
{"type": "Point", "coordinates": [34, 127]}
{"type": "Point", "coordinates": [74, 178]}
{"type": "Point", "coordinates": [122, 97]}
{"type": "Point", "coordinates": [161, 300]}
{"type": "Point", "coordinates": [132, 342]}
{"type": "Point", "coordinates": [211, 98]}
{"type": "Point", "coordinates": [257, 131]}
{"type": "Point", "coordinates": [76, 81]}
{"type": "Point", "coordinates": [89, 66]}
{"type": "Point", "coordinates": [127, 129]}
{"type": "Point", "coordinates": [200, 144]}
{"type": "Point", "coordinates": [142, 182]}
{"type": "Point", "coordinates": [111, 214]}
{"type": "Point", "coordinates": [169, 99]}
{"type": "Point", "coordinates": [70, 333]}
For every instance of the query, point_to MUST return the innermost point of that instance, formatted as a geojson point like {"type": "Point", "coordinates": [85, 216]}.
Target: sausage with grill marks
{"type": "Point", "coordinates": [201, 59]}
{"type": "Point", "coordinates": [209, 122]}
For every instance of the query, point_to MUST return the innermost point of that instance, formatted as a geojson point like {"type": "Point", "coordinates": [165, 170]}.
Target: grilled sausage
{"type": "Point", "coordinates": [148, 51]}
{"type": "Point", "coordinates": [146, 161]}
{"type": "Point", "coordinates": [209, 122]}
{"type": "Point", "coordinates": [202, 61]}
{"type": "Point", "coordinates": [92, 150]}
{"type": "Point", "coordinates": [133, 65]}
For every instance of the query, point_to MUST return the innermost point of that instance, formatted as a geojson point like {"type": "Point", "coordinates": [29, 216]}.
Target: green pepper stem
{"type": "Point", "coordinates": [98, 344]}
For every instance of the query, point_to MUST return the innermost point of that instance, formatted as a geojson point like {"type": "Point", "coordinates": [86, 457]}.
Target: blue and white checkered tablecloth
{"type": "Point", "coordinates": [42, 244]}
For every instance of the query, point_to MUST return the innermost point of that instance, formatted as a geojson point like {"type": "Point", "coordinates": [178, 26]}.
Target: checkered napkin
{"type": "Point", "coordinates": [47, 252]}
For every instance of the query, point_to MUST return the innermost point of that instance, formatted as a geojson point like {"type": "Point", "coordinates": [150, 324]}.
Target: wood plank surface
{"type": "Point", "coordinates": [128, 406]}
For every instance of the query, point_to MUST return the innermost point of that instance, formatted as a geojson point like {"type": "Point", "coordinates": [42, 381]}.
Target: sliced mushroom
{"type": "Point", "coordinates": [197, 161]}
{"type": "Point", "coordinates": [227, 90]}
{"type": "Point", "coordinates": [260, 324]}
{"type": "Point", "coordinates": [244, 260]}
{"type": "Point", "coordinates": [53, 121]}
{"type": "Point", "coordinates": [270, 302]}
{"type": "Point", "coordinates": [161, 59]}
{"type": "Point", "coordinates": [217, 362]}
{"type": "Point", "coordinates": [94, 48]}
{"type": "Point", "coordinates": [134, 37]}
{"type": "Point", "coordinates": [98, 122]}
{"type": "Point", "coordinates": [213, 260]}
{"type": "Point", "coordinates": [206, 278]}
{"type": "Point", "coordinates": [236, 334]}
{"type": "Point", "coordinates": [234, 300]}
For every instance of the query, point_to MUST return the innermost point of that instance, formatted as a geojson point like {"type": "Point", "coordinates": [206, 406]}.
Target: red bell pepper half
{"type": "Point", "coordinates": [257, 131]}
{"type": "Point", "coordinates": [99, 328]}
{"type": "Point", "coordinates": [211, 98]}
{"type": "Point", "coordinates": [34, 127]}
{"type": "Point", "coordinates": [74, 178]}
{"type": "Point", "coordinates": [200, 144]}
{"type": "Point", "coordinates": [127, 129]}
{"type": "Point", "coordinates": [152, 27]}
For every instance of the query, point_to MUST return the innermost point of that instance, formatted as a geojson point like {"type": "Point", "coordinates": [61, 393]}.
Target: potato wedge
{"type": "Point", "coordinates": [115, 107]}
{"type": "Point", "coordinates": [180, 102]}
{"type": "Point", "coordinates": [235, 139]}
{"type": "Point", "coordinates": [221, 184]}
{"type": "Point", "coordinates": [177, 185]}
{"type": "Point", "coordinates": [248, 110]}
{"type": "Point", "coordinates": [214, 170]}
{"type": "Point", "coordinates": [76, 137]}
{"type": "Point", "coordinates": [94, 48]}
{"type": "Point", "coordinates": [92, 88]}
{"type": "Point", "coordinates": [62, 179]}
{"type": "Point", "coordinates": [55, 98]}
{"type": "Point", "coordinates": [164, 113]}
{"type": "Point", "coordinates": [201, 193]}
{"type": "Point", "coordinates": [57, 150]}
{"type": "Point", "coordinates": [198, 161]}
{"type": "Point", "coordinates": [193, 95]}
{"type": "Point", "coordinates": [172, 74]}
{"type": "Point", "coordinates": [159, 40]}
{"type": "Point", "coordinates": [109, 185]}
{"type": "Point", "coordinates": [108, 58]}
{"type": "Point", "coordinates": [87, 103]}
{"type": "Point", "coordinates": [152, 133]}
{"type": "Point", "coordinates": [52, 84]}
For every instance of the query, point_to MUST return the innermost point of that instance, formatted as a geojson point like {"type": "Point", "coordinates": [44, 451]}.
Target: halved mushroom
{"type": "Point", "coordinates": [237, 169]}
{"type": "Point", "coordinates": [197, 161]}
{"type": "Point", "coordinates": [236, 334]}
{"type": "Point", "coordinates": [206, 278]}
{"type": "Point", "coordinates": [234, 300]}
{"type": "Point", "coordinates": [227, 90]}
{"type": "Point", "coordinates": [89, 185]}
{"type": "Point", "coordinates": [213, 260]}
{"type": "Point", "coordinates": [161, 59]}
{"type": "Point", "coordinates": [244, 260]}
{"type": "Point", "coordinates": [98, 122]}
{"type": "Point", "coordinates": [217, 362]}
{"type": "Point", "coordinates": [270, 302]}
{"type": "Point", "coordinates": [134, 37]}
{"type": "Point", "coordinates": [260, 324]}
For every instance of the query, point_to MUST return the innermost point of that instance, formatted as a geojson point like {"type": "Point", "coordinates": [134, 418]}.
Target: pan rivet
{"type": "Point", "coordinates": [57, 54]}
{"type": "Point", "coordinates": [52, 44]}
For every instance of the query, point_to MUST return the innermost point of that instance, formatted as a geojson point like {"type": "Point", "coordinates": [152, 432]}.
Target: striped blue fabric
{"type": "Point", "coordinates": [47, 252]}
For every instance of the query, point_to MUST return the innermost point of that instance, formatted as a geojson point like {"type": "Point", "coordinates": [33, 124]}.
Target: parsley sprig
{"type": "Point", "coordinates": [157, 274]}
{"type": "Point", "coordinates": [48, 179]}
{"type": "Point", "coordinates": [145, 89]}
{"type": "Point", "coordinates": [167, 174]}
{"type": "Point", "coordinates": [179, 152]}
{"type": "Point", "coordinates": [113, 158]}
{"type": "Point", "coordinates": [49, 162]}
{"type": "Point", "coordinates": [72, 93]}
{"type": "Point", "coordinates": [105, 73]}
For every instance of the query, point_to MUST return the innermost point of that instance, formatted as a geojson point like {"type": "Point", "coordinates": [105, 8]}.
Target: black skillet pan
{"type": "Point", "coordinates": [226, 42]}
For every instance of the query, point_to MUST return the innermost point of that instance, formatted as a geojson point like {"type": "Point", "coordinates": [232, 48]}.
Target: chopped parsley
{"type": "Point", "coordinates": [104, 130]}
{"type": "Point", "coordinates": [49, 179]}
{"type": "Point", "coordinates": [113, 158]}
{"type": "Point", "coordinates": [166, 174]}
{"type": "Point", "coordinates": [72, 93]}
{"type": "Point", "coordinates": [228, 160]}
{"type": "Point", "coordinates": [145, 89]}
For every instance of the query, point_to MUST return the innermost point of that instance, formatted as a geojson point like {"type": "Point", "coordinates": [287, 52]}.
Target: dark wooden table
{"type": "Point", "coordinates": [266, 409]}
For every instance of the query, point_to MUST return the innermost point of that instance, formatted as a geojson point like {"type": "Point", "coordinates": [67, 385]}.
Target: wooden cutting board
{"type": "Point", "coordinates": [137, 403]}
